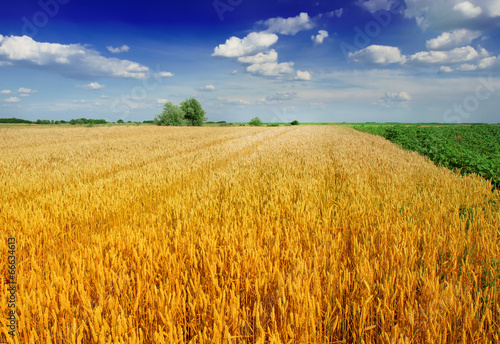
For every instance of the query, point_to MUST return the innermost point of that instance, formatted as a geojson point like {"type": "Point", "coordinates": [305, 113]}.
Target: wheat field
{"type": "Point", "coordinates": [307, 234]}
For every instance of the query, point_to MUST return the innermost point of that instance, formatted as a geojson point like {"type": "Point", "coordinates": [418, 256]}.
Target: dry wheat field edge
{"type": "Point", "coordinates": [306, 234]}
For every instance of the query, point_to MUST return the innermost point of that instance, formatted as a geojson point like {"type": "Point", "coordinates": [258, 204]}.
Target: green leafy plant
{"type": "Point", "coordinates": [256, 122]}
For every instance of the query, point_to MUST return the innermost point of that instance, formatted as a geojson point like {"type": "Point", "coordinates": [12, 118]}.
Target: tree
{"type": "Point", "coordinates": [255, 122]}
{"type": "Point", "coordinates": [171, 115]}
{"type": "Point", "coordinates": [295, 122]}
{"type": "Point", "coordinates": [194, 113]}
{"type": "Point", "coordinates": [119, 121]}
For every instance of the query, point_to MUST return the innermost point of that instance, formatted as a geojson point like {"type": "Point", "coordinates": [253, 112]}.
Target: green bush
{"type": "Point", "coordinates": [172, 115]}
{"type": "Point", "coordinates": [295, 122]}
{"type": "Point", "coordinates": [256, 122]}
{"type": "Point", "coordinates": [194, 115]}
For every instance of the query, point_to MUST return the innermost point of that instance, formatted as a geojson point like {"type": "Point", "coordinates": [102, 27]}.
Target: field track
{"type": "Point", "coordinates": [301, 234]}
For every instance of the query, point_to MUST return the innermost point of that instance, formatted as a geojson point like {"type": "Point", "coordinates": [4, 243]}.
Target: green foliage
{"type": "Point", "coordinates": [120, 121]}
{"type": "Point", "coordinates": [273, 125]}
{"type": "Point", "coordinates": [44, 121]}
{"type": "Point", "coordinates": [172, 115]}
{"type": "Point", "coordinates": [86, 121]}
{"type": "Point", "coordinates": [194, 114]}
{"type": "Point", "coordinates": [14, 120]}
{"type": "Point", "coordinates": [256, 122]}
{"type": "Point", "coordinates": [294, 122]}
{"type": "Point", "coordinates": [148, 122]}
{"type": "Point", "coordinates": [468, 149]}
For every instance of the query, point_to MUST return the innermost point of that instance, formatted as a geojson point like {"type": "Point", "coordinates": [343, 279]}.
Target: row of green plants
{"type": "Point", "coordinates": [464, 148]}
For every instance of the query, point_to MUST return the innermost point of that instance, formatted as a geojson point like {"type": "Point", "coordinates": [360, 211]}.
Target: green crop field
{"type": "Point", "coordinates": [467, 148]}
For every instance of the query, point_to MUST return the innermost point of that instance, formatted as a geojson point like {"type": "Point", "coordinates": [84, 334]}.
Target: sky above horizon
{"type": "Point", "coordinates": [281, 60]}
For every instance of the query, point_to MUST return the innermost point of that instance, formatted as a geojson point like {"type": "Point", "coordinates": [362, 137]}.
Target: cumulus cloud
{"type": "Point", "coordinates": [467, 9]}
{"type": "Point", "coordinates": [71, 60]}
{"type": "Point", "coordinates": [395, 98]}
{"type": "Point", "coordinates": [456, 55]}
{"type": "Point", "coordinates": [161, 101]}
{"type": "Point", "coordinates": [5, 92]}
{"type": "Point", "coordinates": [92, 86]}
{"type": "Point", "coordinates": [289, 26]}
{"type": "Point", "coordinates": [12, 100]}
{"type": "Point", "coordinates": [446, 15]}
{"type": "Point", "coordinates": [272, 69]}
{"type": "Point", "coordinates": [318, 39]}
{"type": "Point", "coordinates": [453, 39]}
{"type": "Point", "coordinates": [164, 74]}
{"type": "Point", "coordinates": [207, 88]}
{"type": "Point", "coordinates": [303, 75]}
{"type": "Point", "coordinates": [264, 57]}
{"type": "Point", "coordinates": [251, 44]}
{"type": "Point", "coordinates": [491, 63]}
{"type": "Point", "coordinates": [124, 48]}
{"type": "Point", "coordinates": [445, 69]}
{"type": "Point", "coordinates": [25, 90]}
{"type": "Point", "coordinates": [378, 55]}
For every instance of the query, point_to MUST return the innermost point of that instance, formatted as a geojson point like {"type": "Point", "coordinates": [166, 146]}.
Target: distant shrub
{"type": "Point", "coordinates": [120, 121]}
{"type": "Point", "coordinates": [14, 120]}
{"type": "Point", "coordinates": [273, 125]}
{"type": "Point", "coordinates": [256, 122]}
{"type": "Point", "coordinates": [295, 122]}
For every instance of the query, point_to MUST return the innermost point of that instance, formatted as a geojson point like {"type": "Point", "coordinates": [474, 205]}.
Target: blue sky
{"type": "Point", "coordinates": [314, 61]}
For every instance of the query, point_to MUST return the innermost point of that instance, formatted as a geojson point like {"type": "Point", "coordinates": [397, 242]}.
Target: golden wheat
{"type": "Point", "coordinates": [243, 235]}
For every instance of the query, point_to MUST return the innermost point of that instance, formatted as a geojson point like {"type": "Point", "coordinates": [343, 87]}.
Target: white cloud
{"type": "Point", "coordinates": [5, 92]}
{"type": "Point", "coordinates": [25, 90]}
{"type": "Point", "coordinates": [375, 5]}
{"type": "Point", "coordinates": [395, 98]}
{"type": "Point", "coordinates": [237, 101]}
{"type": "Point", "coordinates": [318, 39]}
{"type": "Point", "coordinates": [453, 39]}
{"type": "Point", "coordinates": [466, 67]}
{"type": "Point", "coordinates": [122, 49]}
{"type": "Point", "coordinates": [446, 15]}
{"type": "Point", "coordinates": [467, 9]}
{"type": "Point", "coordinates": [281, 96]}
{"type": "Point", "coordinates": [264, 57]}
{"type": "Point", "coordinates": [378, 54]}
{"type": "Point", "coordinates": [253, 43]}
{"type": "Point", "coordinates": [272, 69]}
{"type": "Point", "coordinates": [12, 100]}
{"type": "Point", "coordinates": [161, 101]}
{"type": "Point", "coordinates": [456, 55]}
{"type": "Point", "coordinates": [445, 69]}
{"type": "Point", "coordinates": [289, 26]}
{"type": "Point", "coordinates": [93, 86]}
{"type": "Point", "coordinates": [71, 60]}
{"type": "Point", "coordinates": [207, 88]}
{"type": "Point", "coordinates": [303, 75]}
{"type": "Point", "coordinates": [164, 74]}
{"type": "Point", "coordinates": [488, 63]}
